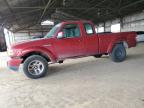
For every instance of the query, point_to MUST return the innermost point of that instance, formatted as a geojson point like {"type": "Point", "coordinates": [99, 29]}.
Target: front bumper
{"type": "Point", "coordinates": [14, 63]}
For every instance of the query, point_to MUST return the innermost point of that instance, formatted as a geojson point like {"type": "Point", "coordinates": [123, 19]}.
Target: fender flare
{"type": "Point", "coordinates": [40, 50]}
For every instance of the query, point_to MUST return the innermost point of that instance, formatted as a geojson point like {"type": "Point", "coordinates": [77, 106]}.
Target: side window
{"type": "Point", "coordinates": [71, 30]}
{"type": "Point", "coordinates": [88, 28]}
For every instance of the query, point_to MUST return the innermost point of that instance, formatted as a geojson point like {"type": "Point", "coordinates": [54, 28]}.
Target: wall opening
{"type": "Point", "coordinates": [115, 28]}
{"type": "Point", "coordinates": [100, 29]}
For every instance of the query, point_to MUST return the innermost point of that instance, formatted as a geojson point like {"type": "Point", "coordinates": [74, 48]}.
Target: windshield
{"type": "Point", "coordinates": [52, 32]}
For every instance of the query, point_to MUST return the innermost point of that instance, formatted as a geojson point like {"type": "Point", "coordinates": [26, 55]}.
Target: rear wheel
{"type": "Point", "coordinates": [35, 67]}
{"type": "Point", "coordinates": [118, 53]}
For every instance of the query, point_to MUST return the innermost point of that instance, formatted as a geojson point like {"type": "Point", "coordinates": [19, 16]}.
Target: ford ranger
{"type": "Point", "coordinates": [71, 39]}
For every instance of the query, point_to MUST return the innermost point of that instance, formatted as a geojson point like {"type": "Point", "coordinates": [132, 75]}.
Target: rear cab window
{"type": "Point", "coordinates": [88, 29]}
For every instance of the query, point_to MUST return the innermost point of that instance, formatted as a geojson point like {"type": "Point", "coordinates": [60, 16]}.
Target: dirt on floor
{"type": "Point", "coordinates": [81, 83]}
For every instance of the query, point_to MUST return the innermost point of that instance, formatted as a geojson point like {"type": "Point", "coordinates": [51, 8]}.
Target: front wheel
{"type": "Point", "coordinates": [118, 53]}
{"type": "Point", "coordinates": [35, 66]}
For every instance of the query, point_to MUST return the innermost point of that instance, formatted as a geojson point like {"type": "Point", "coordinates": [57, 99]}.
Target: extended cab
{"type": "Point", "coordinates": [65, 40]}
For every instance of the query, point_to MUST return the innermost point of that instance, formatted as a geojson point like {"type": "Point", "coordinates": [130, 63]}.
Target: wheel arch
{"type": "Point", "coordinates": [35, 53]}
{"type": "Point", "coordinates": [125, 43]}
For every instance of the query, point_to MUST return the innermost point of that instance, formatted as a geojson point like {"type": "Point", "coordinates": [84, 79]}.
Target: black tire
{"type": "Point", "coordinates": [118, 53]}
{"type": "Point", "coordinates": [35, 67]}
{"type": "Point", "coordinates": [98, 55]}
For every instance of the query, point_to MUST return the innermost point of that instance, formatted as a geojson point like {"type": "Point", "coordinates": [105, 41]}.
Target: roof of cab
{"type": "Point", "coordinates": [80, 21]}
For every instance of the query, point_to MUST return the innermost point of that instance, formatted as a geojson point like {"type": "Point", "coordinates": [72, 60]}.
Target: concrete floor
{"type": "Point", "coordinates": [81, 83]}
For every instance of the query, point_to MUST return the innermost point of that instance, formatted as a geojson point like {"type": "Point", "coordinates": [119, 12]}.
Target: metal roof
{"type": "Point", "coordinates": [19, 14]}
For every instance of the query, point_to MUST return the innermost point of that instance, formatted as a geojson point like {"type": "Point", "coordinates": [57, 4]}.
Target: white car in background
{"type": "Point", "coordinates": [140, 37]}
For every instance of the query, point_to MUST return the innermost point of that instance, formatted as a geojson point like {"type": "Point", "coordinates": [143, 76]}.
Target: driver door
{"type": "Point", "coordinates": [71, 45]}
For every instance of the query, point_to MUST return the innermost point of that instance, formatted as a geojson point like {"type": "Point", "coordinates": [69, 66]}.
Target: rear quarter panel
{"type": "Point", "coordinates": [107, 41]}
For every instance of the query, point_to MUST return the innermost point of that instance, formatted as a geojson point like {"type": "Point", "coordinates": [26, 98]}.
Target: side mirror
{"type": "Point", "coordinates": [60, 35]}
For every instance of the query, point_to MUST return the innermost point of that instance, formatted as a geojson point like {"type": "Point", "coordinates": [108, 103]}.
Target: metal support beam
{"type": "Point", "coordinates": [45, 9]}
{"type": "Point", "coordinates": [36, 7]}
{"type": "Point", "coordinates": [66, 15]}
{"type": "Point", "coordinates": [22, 13]}
{"type": "Point", "coordinates": [9, 7]}
{"type": "Point", "coordinates": [93, 7]}
{"type": "Point", "coordinates": [131, 4]}
{"type": "Point", "coordinates": [118, 11]}
{"type": "Point", "coordinates": [44, 2]}
{"type": "Point", "coordinates": [71, 8]}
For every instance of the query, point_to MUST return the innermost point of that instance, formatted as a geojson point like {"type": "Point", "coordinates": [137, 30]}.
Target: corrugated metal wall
{"type": "Point", "coordinates": [133, 22]}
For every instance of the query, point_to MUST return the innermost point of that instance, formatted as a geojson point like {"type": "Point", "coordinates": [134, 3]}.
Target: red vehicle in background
{"type": "Point", "coordinates": [70, 39]}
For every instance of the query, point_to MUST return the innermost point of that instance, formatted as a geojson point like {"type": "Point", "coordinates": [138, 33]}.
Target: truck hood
{"type": "Point", "coordinates": [31, 43]}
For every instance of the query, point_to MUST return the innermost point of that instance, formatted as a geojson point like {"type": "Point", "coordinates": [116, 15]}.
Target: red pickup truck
{"type": "Point", "coordinates": [65, 40]}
